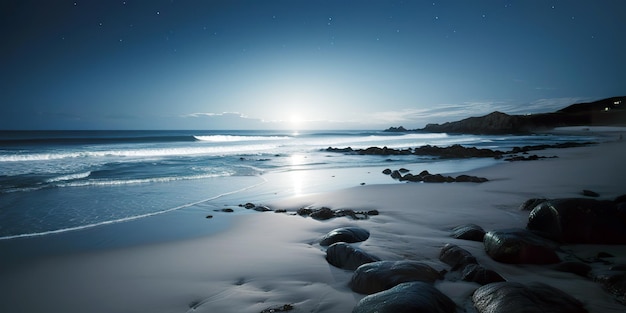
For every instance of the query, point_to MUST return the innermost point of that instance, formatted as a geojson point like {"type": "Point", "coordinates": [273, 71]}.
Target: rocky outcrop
{"type": "Point", "coordinates": [579, 221]}
{"type": "Point", "coordinates": [469, 232]}
{"type": "Point", "coordinates": [510, 297]}
{"type": "Point", "coordinates": [407, 298]}
{"type": "Point", "coordinates": [427, 177]}
{"type": "Point", "coordinates": [378, 276]}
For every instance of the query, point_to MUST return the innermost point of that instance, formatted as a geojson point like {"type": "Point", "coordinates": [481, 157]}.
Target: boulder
{"type": "Point", "coordinates": [456, 256]}
{"type": "Point", "coordinates": [509, 297]}
{"type": "Point", "coordinates": [378, 276]}
{"type": "Point", "coordinates": [261, 208]}
{"type": "Point", "coordinates": [578, 268]}
{"type": "Point", "coordinates": [344, 256]}
{"type": "Point", "coordinates": [519, 246]}
{"type": "Point", "coordinates": [345, 234]}
{"type": "Point", "coordinates": [322, 214]}
{"type": "Point", "coordinates": [579, 221]}
{"type": "Point", "coordinates": [387, 171]}
{"type": "Point", "coordinates": [476, 273]}
{"type": "Point", "coordinates": [407, 298]}
{"type": "Point", "coordinates": [469, 232]}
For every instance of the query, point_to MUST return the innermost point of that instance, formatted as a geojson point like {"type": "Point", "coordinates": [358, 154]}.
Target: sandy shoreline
{"type": "Point", "coordinates": [269, 259]}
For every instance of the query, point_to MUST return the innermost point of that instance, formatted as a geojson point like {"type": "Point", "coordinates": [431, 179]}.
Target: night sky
{"type": "Point", "coordinates": [301, 64]}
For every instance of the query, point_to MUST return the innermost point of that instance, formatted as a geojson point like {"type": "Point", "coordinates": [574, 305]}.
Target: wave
{"type": "Point", "coordinates": [131, 218]}
{"type": "Point", "coordinates": [135, 181]}
{"type": "Point", "coordinates": [235, 138]}
{"type": "Point", "coordinates": [69, 177]}
{"type": "Point", "coordinates": [138, 153]}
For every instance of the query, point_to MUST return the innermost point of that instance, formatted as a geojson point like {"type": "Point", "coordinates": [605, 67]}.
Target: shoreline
{"type": "Point", "coordinates": [260, 260]}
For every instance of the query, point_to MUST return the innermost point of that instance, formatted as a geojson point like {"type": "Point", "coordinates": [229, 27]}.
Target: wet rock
{"type": "Point", "coordinates": [407, 298]}
{"type": "Point", "coordinates": [578, 221]}
{"type": "Point", "coordinates": [589, 193]}
{"type": "Point", "coordinates": [387, 171]}
{"type": "Point", "coordinates": [396, 174]}
{"type": "Point", "coordinates": [509, 297]}
{"type": "Point", "coordinates": [209, 216]}
{"type": "Point", "coordinates": [469, 232]}
{"type": "Point", "coordinates": [345, 234]}
{"type": "Point", "coordinates": [613, 282]}
{"type": "Point", "coordinates": [304, 211]}
{"type": "Point", "coordinates": [478, 274]}
{"type": "Point", "coordinates": [227, 210]}
{"type": "Point", "coordinates": [470, 179]}
{"type": "Point", "coordinates": [372, 212]}
{"type": "Point", "coordinates": [578, 268]}
{"type": "Point", "coordinates": [261, 208]}
{"type": "Point", "coordinates": [323, 214]}
{"type": "Point", "coordinates": [248, 205]}
{"type": "Point", "coordinates": [530, 204]}
{"type": "Point", "coordinates": [403, 170]}
{"type": "Point", "coordinates": [280, 211]}
{"type": "Point", "coordinates": [344, 256]}
{"type": "Point", "coordinates": [456, 256]}
{"type": "Point", "coordinates": [519, 246]}
{"type": "Point", "coordinates": [378, 276]}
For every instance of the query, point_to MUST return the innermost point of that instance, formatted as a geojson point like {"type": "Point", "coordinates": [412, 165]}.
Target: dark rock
{"type": "Point", "coordinates": [304, 211]}
{"type": "Point", "coordinates": [456, 256]}
{"type": "Point", "coordinates": [470, 179]}
{"type": "Point", "coordinates": [280, 308]}
{"type": "Point", "coordinates": [510, 297]}
{"type": "Point", "coordinates": [578, 221]}
{"type": "Point", "coordinates": [530, 204]}
{"type": "Point", "coordinates": [344, 256]}
{"type": "Point", "coordinates": [396, 175]}
{"type": "Point", "coordinates": [378, 276]}
{"type": "Point", "coordinates": [227, 210]}
{"type": "Point", "coordinates": [249, 205]}
{"type": "Point", "coordinates": [372, 212]}
{"type": "Point", "coordinates": [589, 193]}
{"type": "Point", "coordinates": [436, 178]}
{"type": "Point", "coordinates": [345, 234]}
{"type": "Point", "coordinates": [602, 255]}
{"type": "Point", "coordinates": [399, 129]}
{"type": "Point", "coordinates": [323, 214]}
{"type": "Point", "coordinates": [478, 274]}
{"type": "Point", "coordinates": [403, 170]}
{"type": "Point", "coordinates": [209, 216]}
{"type": "Point", "coordinates": [578, 268]}
{"type": "Point", "coordinates": [280, 211]}
{"type": "Point", "coordinates": [469, 232]}
{"type": "Point", "coordinates": [613, 282]}
{"type": "Point", "coordinates": [262, 208]}
{"type": "Point", "coordinates": [519, 246]}
{"type": "Point", "coordinates": [408, 297]}
{"type": "Point", "coordinates": [387, 171]}
{"type": "Point", "coordinates": [424, 173]}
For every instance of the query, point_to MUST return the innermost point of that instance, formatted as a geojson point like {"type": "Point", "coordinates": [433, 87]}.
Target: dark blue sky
{"type": "Point", "coordinates": [301, 64]}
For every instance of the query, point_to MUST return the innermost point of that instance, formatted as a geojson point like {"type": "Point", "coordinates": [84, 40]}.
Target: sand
{"type": "Point", "coordinates": [269, 259]}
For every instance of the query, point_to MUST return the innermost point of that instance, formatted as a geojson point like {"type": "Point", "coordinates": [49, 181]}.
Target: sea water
{"type": "Point", "coordinates": [58, 181]}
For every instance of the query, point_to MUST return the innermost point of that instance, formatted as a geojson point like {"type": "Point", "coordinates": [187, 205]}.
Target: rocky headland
{"type": "Point", "coordinates": [610, 111]}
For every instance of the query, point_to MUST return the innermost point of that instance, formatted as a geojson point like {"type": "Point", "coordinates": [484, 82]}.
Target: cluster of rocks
{"type": "Point", "coordinates": [407, 285]}
{"type": "Point", "coordinates": [460, 152]}
{"type": "Point", "coordinates": [323, 213]}
{"type": "Point", "coordinates": [425, 176]}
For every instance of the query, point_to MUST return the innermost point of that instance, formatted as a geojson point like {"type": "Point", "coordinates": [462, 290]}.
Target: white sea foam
{"type": "Point", "coordinates": [233, 138]}
{"type": "Point", "coordinates": [69, 177]}
{"type": "Point", "coordinates": [120, 182]}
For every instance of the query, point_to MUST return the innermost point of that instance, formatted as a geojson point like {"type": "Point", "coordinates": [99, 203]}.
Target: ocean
{"type": "Point", "coordinates": [53, 182]}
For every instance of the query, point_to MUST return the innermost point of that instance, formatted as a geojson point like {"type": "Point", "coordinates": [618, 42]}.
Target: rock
{"type": "Point", "coordinates": [345, 234]}
{"type": "Point", "coordinates": [589, 193]}
{"type": "Point", "coordinates": [209, 216]}
{"type": "Point", "coordinates": [344, 256]}
{"type": "Point", "coordinates": [436, 178]}
{"type": "Point", "coordinates": [403, 170]}
{"type": "Point", "coordinates": [387, 171]}
{"type": "Point", "coordinates": [510, 297]}
{"type": "Point", "coordinates": [227, 210]}
{"type": "Point", "coordinates": [519, 246]}
{"type": "Point", "coordinates": [372, 212]}
{"type": "Point", "coordinates": [378, 276]}
{"type": "Point", "coordinates": [304, 211]}
{"type": "Point", "coordinates": [578, 268]}
{"type": "Point", "coordinates": [456, 256]}
{"type": "Point", "coordinates": [407, 298]}
{"type": "Point", "coordinates": [530, 204]}
{"type": "Point", "coordinates": [322, 214]}
{"type": "Point", "coordinates": [280, 308]}
{"type": "Point", "coordinates": [469, 232]}
{"type": "Point", "coordinates": [396, 174]}
{"type": "Point", "coordinates": [478, 274]}
{"type": "Point", "coordinates": [261, 208]}
{"type": "Point", "coordinates": [470, 179]}
{"type": "Point", "coordinates": [280, 211]}
{"type": "Point", "coordinates": [578, 221]}
{"type": "Point", "coordinates": [249, 205]}
{"type": "Point", "coordinates": [613, 282]}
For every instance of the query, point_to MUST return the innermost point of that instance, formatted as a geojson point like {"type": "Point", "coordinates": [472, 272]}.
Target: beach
{"type": "Point", "coordinates": [261, 260]}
